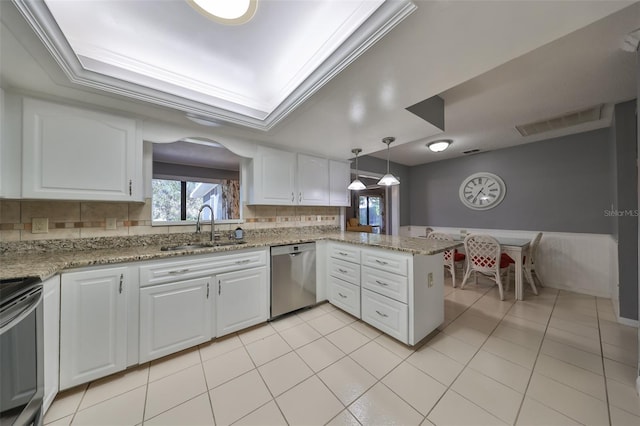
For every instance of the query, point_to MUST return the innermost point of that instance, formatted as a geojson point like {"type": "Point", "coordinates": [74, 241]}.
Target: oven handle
{"type": "Point", "coordinates": [25, 308]}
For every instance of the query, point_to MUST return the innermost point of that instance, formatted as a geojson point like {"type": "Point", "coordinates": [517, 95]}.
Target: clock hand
{"type": "Point", "coordinates": [476, 196]}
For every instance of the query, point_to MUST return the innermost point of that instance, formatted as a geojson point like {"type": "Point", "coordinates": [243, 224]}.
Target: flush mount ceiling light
{"type": "Point", "coordinates": [439, 146]}
{"type": "Point", "coordinates": [357, 184]}
{"type": "Point", "coordinates": [388, 179]}
{"type": "Point", "coordinates": [228, 12]}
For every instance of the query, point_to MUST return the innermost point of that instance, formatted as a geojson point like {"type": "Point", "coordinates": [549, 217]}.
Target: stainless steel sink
{"type": "Point", "coordinates": [202, 245]}
{"type": "Point", "coordinates": [228, 243]}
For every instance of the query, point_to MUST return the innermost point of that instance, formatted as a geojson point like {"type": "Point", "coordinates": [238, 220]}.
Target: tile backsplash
{"type": "Point", "coordinates": [88, 219]}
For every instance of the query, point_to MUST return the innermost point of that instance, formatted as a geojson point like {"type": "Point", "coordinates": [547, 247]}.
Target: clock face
{"type": "Point", "coordinates": [482, 191]}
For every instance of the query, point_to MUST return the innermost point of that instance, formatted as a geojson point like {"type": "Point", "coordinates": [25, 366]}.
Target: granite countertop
{"type": "Point", "coordinates": [48, 263]}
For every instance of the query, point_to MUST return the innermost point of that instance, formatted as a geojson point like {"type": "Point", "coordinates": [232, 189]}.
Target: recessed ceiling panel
{"type": "Point", "coordinates": [246, 70]}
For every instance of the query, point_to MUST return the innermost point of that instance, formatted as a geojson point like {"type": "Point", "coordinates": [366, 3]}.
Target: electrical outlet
{"type": "Point", "coordinates": [39, 225]}
{"type": "Point", "coordinates": [430, 279]}
{"type": "Point", "coordinates": [110, 223]}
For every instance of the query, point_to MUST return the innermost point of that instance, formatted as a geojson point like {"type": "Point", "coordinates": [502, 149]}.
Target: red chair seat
{"type": "Point", "coordinates": [459, 257]}
{"type": "Point", "coordinates": [510, 259]}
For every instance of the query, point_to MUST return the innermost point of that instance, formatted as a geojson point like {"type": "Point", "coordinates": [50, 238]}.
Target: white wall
{"type": "Point", "coordinates": [583, 263]}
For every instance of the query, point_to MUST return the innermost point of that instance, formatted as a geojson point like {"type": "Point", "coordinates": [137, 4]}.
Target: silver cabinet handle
{"type": "Point", "coordinates": [381, 262]}
{"type": "Point", "coordinates": [293, 197]}
{"type": "Point", "coordinates": [382, 283]}
{"type": "Point", "coordinates": [342, 270]}
{"type": "Point", "coordinates": [242, 262]}
{"type": "Point", "coordinates": [178, 271]}
{"type": "Point", "coordinates": [341, 253]}
{"type": "Point", "coordinates": [300, 197]}
{"type": "Point", "coordinates": [381, 314]}
{"type": "Point", "coordinates": [207, 290]}
{"type": "Point", "coordinates": [342, 295]}
{"type": "Point", "coordinates": [130, 185]}
{"type": "Point", "coordinates": [121, 280]}
{"type": "Point", "coordinates": [219, 288]}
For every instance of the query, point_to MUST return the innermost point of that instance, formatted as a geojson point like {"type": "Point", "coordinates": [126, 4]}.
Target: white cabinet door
{"type": "Point", "coordinates": [77, 154]}
{"type": "Point", "coordinates": [274, 177]}
{"type": "Point", "coordinates": [339, 179]}
{"type": "Point", "coordinates": [93, 324]}
{"type": "Point", "coordinates": [174, 316]}
{"type": "Point", "coordinates": [242, 300]}
{"type": "Point", "coordinates": [51, 309]}
{"type": "Point", "coordinates": [313, 180]}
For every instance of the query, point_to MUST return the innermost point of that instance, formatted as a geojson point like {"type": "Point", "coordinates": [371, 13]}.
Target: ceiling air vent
{"type": "Point", "coordinates": [566, 120]}
{"type": "Point", "coordinates": [471, 151]}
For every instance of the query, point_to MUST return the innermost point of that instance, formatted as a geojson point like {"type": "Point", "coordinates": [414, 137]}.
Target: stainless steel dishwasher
{"type": "Point", "coordinates": [293, 277]}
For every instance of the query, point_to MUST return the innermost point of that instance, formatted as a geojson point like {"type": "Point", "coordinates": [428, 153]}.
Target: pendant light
{"type": "Point", "coordinates": [357, 184]}
{"type": "Point", "coordinates": [388, 179]}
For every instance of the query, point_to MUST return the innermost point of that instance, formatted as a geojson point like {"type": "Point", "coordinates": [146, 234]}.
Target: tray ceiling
{"type": "Point", "coordinates": [168, 53]}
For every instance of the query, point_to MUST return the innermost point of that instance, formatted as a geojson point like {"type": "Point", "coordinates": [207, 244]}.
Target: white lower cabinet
{"type": "Point", "coordinates": [51, 310]}
{"type": "Point", "coordinates": [93, 324]}
{"type": "Point", "coordinates": [344, 295]}
{"type": "Point", "coordinates": [175, 316]}
{"type": "Point", "coordinates": [399, 293]}
{"type": "Point", "coordinates": [242, 299]}
{"type": "Point", "coordinates": [385, 314]}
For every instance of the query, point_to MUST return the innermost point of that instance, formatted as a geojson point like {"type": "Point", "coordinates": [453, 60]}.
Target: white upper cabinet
{"type": "Point", "coordinates": [313, 180]}
{"type": "Point", "coordinates": [279, 177]}
{"type": "Point", "coordinates": [274, 177]}
{"type": "Point", "coordinates": [339, 179]}
{"type": "Point", "coordinates": [71, 153]}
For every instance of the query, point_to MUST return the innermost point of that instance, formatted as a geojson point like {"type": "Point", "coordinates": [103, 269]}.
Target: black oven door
{"type": "Point", "coordinates": [21, 356]}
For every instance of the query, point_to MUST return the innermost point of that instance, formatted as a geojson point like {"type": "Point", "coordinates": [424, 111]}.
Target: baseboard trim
{"type": "Point", "coordinates": [604, 295]}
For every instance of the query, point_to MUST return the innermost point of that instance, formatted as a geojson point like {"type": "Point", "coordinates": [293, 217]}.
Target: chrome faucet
{"type": "Point", "coordinates": [213, 222]}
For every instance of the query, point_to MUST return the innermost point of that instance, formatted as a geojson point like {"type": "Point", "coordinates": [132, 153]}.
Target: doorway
{"type": "Point", "coordinates": [371, 211]}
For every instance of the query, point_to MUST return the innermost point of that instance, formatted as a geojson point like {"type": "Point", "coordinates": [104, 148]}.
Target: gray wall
{"type": "Point", "coordinates": [561, 184]}
{"type": "Point", "coordinates": [625, 141]}
{"type": "Point", "coordinates": [193, 172]}
{"type": "Point", "coordinates": [376, 165]}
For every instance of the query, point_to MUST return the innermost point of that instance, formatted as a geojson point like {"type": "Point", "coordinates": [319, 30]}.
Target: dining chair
{"type": "Point", "coordinates": [427, 231]}
{"type": "Point", "coordinates": [451, 257]}
{"type": "Point", "coordinates": [528, 262]}
{"type": "Point", "coordinates": [484, 256]}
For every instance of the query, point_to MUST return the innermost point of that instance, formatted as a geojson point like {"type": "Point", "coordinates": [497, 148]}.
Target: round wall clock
{"type": "Point", "coordinates": [482, 191]}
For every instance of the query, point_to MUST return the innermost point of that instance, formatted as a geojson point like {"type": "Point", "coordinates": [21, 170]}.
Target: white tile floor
{"type": "Point", "coordinates": [555, 359]}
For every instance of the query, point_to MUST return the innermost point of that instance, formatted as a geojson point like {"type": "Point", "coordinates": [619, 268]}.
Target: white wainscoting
{"type": "Point", "coordinates": [583, 263]}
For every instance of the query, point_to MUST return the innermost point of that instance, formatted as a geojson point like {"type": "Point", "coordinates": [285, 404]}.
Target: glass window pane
{"type": "Point", "coordinates": [362, 205]}
{"type": "Point", "coordinates": [223, 197]}
{"type": "Point", "coordinates": [375, 212]}
{"type": "Point", "coordinates": [165, 205]}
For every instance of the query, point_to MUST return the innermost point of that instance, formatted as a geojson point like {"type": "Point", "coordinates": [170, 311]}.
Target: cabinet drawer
{"type": "Point", "coordinates": [390, 262]}
{"type": "Point", "coordinates": [344, 296]}
{"type": "Point", "coordinates": [344, 252]}
{"type": "Point", "coordinates": [172, 270]}
{"type": "Point", "coordinates": [386, 314]}
{"type": "Point", "coordinates": [391, 285]}
{"type": "Point", "coordinates": [347, 271]}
